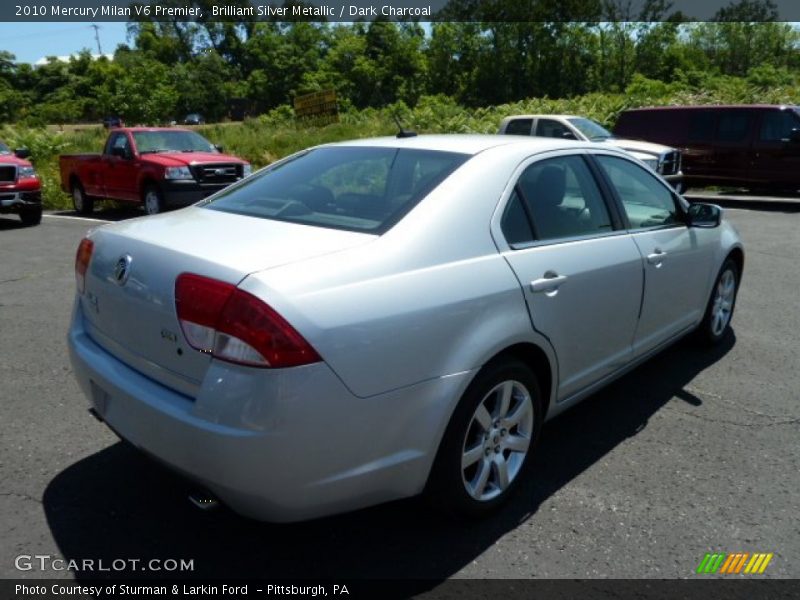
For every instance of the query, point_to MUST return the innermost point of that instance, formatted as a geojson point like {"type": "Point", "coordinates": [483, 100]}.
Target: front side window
{"type": "Point", "coordinates": [647, 202]}
{"type": "Point", "coordinates": [561, 199]}
{"type": "Point", "coordinates": [777, 126]}
{"type": "Point", "coordinates": [552, 129]}
{"type": "Point", "coordinates": [119, 141]}
{"type": "Point", "coordinates": [365, 189]}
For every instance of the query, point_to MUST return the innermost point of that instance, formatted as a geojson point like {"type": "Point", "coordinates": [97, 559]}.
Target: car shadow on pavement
{"type": "Point", "coordinates": [117, 504]}
{"type": "Point", "coordinates": [8, 222]}
{"type": "Point", "coordinates": [111, 213]}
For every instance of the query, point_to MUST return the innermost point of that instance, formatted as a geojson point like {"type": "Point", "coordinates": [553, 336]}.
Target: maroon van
{"type": "Point", "coordinates": [756, 146]}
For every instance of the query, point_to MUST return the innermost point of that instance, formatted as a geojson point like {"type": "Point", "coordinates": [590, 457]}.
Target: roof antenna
{"type": "Point", "coordinates": [403, 133]}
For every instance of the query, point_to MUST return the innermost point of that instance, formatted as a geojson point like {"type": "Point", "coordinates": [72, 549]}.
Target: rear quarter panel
{"type": "Point", "coordinates": [86, 167]}
{"type": "Point", "coordinates": [430, 298]}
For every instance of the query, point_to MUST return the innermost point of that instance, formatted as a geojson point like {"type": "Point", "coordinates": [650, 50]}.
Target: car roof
{"type": "Point", "coordinates": [544, 116]}
{"type": "Point", "coordinates": [138, 129]}
{"type": "Point", "coordinates": [714, 106]}
{"type": "Point", "coordinates": [466, 143]}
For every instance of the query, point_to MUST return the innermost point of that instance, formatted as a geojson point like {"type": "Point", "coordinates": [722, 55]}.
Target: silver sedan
{"type": "Point", "coordinates": [381, 318]}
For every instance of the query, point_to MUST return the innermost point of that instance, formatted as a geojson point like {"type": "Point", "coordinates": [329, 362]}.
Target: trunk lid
{"type": "Point", "coordinates": [133, 315]}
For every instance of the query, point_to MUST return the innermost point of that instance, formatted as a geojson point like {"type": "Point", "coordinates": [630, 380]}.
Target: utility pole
{"type": "Point", "coordinates": [96, 28]}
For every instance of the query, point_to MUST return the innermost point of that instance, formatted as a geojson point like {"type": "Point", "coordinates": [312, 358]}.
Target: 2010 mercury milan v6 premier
{"type": "Point", "coordinates": [374, 319]}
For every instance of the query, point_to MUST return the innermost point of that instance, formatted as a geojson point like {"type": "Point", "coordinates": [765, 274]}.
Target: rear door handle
{"type": "Point", "coordinates": [657, 257]}
{"type": "Point", "coordinates": [549, 283]}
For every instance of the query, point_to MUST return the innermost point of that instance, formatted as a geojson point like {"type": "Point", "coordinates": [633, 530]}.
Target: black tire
{"type": "Point", "coordinates": [31, 216]}
{"type": "Point", "coordinates": [709, 331]}
{"type": "Point", "coordinates": [447, 483]}
{"type": "Point", "coordinates": [83, 204]}
{"type": "Point", "coordinates": [152, 200]}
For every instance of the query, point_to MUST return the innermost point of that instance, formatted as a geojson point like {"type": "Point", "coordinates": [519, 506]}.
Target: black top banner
{"type": "Point", "coordinates": [402, 10]}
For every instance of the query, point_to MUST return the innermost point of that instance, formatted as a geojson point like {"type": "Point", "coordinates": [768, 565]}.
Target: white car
{"type": "Point", "coordinates": [371, 320]}
{"type": "Point", "coordinates": [663, 160]}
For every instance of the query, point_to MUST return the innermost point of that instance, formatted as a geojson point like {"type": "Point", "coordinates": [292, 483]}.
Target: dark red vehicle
{"type": "Point", "coordinates": [157, 167]}
{"type": "Point", "coordinates": [754, 146]}
{"type": "Point", "coordinates": [20, 186]}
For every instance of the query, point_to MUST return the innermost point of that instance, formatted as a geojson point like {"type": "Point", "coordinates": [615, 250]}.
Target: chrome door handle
{"type": "Point", "coordinates": [657, 257]}
{"type": "Point", "coordinates": [549, 283]}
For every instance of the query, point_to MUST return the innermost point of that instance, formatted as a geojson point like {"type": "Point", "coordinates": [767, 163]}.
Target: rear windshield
{"type": "Point", "coordinates": [365, 189]}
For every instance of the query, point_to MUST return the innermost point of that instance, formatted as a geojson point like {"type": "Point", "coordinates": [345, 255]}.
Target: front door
{"type": "Point", "coordinates": [675, 259]}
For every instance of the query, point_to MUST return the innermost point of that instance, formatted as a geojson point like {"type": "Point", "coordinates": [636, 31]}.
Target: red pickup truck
{"type": "Point", "coordinates": [20, 187]}
{"type": "Point", "coordinates": [155, 166]}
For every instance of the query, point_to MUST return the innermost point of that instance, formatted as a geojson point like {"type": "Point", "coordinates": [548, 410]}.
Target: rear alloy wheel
{"type": "Point", "coordinates": [716, 323]}
{"type": "Point", "coordinates": [489, 440]}
{"type": "Point", "coordinates": [31, 216]}
{"type": "Point", "coordinates": [82, 203]}
{"type": "Point", "coordinates": [152, 200]}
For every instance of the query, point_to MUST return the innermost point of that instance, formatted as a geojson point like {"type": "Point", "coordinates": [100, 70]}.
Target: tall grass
{"type": "Point", "coordinates": [274, 135]}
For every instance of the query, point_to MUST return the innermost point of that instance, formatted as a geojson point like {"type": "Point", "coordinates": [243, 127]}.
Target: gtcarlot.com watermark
{"type": "Point", "coordinates": [47, 562]}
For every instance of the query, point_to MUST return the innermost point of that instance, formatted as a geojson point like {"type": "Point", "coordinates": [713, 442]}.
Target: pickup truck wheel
{"type": "Point", "coordinates": [82, 203]}
{"type": "Point", "coordinates": [153, 200]}
{"type": "Point", "coordinates": [31, 216]}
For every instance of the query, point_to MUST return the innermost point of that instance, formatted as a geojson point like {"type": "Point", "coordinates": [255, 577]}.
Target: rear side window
{"type": "Point", "coordinates": [561, 199]}
{"type": "Point", "coordinates": [647, 202]}
{"type": "Point", "coordinates": [365, 189]}
{"type": "Point", "coordinates": [777, 125]}
{"type": "Point", "coordinates": [733, 126]}
{"type": "Point", "coordinates": [519, 127]}
{"type": "Point", "coordinates": [701, 126]}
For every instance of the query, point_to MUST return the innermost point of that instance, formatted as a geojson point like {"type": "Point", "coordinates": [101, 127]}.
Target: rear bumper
{"type": "Point", "coordinates": [14, 202]}
{"type": "Point", "coordinates": [278, 445]}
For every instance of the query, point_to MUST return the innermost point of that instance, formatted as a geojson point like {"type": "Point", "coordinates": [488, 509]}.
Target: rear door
{"type": "Point", "coordinates": [675, 258]}
{"type": "Point", "coordinates": [581, 275]}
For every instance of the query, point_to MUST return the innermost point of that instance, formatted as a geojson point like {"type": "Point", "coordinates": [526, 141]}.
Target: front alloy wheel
{"type": "Point", "coordinates": [153, 203]}
{"type": "Point", "coordinates": [497, 440]}
{"type": "Point", "coordinates": [722, 308]}
{"type": "Point", "coordinates": [717, 320]}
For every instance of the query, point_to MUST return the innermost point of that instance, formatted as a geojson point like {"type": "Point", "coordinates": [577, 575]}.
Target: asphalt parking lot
{"type": "Point", "coordinates": [695, 451]}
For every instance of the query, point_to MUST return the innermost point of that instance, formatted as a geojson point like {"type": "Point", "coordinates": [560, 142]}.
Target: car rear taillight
{"type": "Point", "coordinates": [232, 325]}
{"type": "Point", "coordinates": [82, 258]}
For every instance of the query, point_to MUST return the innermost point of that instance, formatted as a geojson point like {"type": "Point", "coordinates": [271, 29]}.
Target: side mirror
{"type": "Point", "coordinates": [219, 148]}
{"type": "Point", "coordinates": [706, 216]}
{"type": "Point", "coordinates": [794, 135]}
{"type": "Point", "coordinates": [568, 135]}
{"type": "Point", "coordinates": [119, 153]}
{"type": "Point", "coordinates": [22, 153]}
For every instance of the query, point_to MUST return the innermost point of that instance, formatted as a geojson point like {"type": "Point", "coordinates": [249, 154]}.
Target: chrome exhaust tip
{"type": "Point", "coordinates": [203, 500]}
